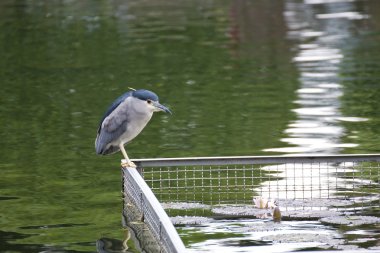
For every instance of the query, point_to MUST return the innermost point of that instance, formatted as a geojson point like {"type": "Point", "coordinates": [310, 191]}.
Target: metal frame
{"type": "Point", "coordinates": [221, 180]}
{"type": "Point", "coordinates": [236, 179]}
{"type": "Point", "coordinates": [240, 160]}
{"type": "Point", "coordinates": [151, 212]}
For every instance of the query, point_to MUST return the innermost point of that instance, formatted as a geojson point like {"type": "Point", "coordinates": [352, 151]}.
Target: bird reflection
{"type": "Point", "coordinates": [110, 245]}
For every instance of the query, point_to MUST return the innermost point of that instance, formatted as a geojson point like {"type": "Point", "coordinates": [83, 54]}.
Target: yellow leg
{"type": "Point", "coordinates": [126, 162]}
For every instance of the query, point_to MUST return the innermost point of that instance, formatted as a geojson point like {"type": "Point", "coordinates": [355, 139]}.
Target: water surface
{"type": "Point", "coordinates": [242, 78]}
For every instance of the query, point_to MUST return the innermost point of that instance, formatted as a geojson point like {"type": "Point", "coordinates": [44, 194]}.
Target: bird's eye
{"type": "Point", "coordinates": [149, 101]}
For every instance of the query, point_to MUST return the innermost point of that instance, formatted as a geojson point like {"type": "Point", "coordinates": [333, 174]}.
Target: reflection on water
{"type": "Point", "coordinates": [110, 245]}
{"type": "Point", "coordinates": [263, 235]}
{"type": "Point", "coordinates": [241, 78]}
{"type": "Point", "coordinates": [320, 34]}
{"type": "Point", "coordinates": [312, 182]}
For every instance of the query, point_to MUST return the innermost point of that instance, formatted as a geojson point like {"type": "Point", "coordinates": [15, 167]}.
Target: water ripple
{"type": "Point", "coordinates": [348, 15]}
{"type": "Point", "coordinates": [319, 38]}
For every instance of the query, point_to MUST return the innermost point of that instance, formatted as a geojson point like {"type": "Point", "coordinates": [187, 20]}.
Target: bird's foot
{"type": "Point", "coordinates": [127, 164]}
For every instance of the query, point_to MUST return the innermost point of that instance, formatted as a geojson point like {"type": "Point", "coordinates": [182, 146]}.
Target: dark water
{"type": "Point", "coordinates": [242, 78]}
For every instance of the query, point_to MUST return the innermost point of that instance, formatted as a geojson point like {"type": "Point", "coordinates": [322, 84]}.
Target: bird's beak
{"type": "Point", "coordinates": [160, 107]}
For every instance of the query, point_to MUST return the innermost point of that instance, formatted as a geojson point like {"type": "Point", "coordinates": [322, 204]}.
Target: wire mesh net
{"type": "Point", "coordinates": [346, 178]}
{"type": "Point", "coordinates": [145, 218]}
{"type": "Point", "coordinates": [304, 187]}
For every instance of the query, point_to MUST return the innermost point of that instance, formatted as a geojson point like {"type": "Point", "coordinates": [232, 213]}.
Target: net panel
{"type": "Point", "coordinates": [219, 181]}
{"type": "Point", "coordinates": [146, 218]}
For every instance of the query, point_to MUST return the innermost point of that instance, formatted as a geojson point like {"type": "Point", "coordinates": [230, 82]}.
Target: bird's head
{"type": "Point", "coordinates": [151, 100]}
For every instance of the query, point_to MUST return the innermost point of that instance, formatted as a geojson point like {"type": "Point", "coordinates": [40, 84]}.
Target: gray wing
{"type": "Point", "coordinates": [104, 138]}
{"type": "Point", "coordinates": [112, 126]}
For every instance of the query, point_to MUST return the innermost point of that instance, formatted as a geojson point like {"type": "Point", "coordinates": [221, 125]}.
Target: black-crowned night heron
{"type": "Point", "coordinates": [124, 120]}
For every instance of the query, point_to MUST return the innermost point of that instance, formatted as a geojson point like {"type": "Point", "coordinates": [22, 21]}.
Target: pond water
{"type": "Point", "coordinates": [242, 78]}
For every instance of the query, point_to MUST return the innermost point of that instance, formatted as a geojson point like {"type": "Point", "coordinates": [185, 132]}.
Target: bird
{"type": "Point", "coordinates": [124, 120]}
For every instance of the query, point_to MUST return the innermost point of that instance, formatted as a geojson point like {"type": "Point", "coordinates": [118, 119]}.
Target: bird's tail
{"type": "Point", "coordinates": [98, 148]}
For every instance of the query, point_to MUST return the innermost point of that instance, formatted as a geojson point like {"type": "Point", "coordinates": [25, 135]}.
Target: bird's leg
{"type": "Point", "coordinates": [126, 162]}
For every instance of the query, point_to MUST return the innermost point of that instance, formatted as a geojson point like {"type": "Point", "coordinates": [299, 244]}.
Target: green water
{"type": "Point", "coordinates": [227, 69]}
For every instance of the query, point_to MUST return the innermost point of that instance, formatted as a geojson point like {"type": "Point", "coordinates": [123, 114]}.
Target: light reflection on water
{"type": "Point", "coordinates": [259, 235]}
{"type": "Point", "coordinates": [318, 127]}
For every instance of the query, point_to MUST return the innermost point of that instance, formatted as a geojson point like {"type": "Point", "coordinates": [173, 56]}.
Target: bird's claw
{"type": "Point", "coordinates": [127, 164]}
